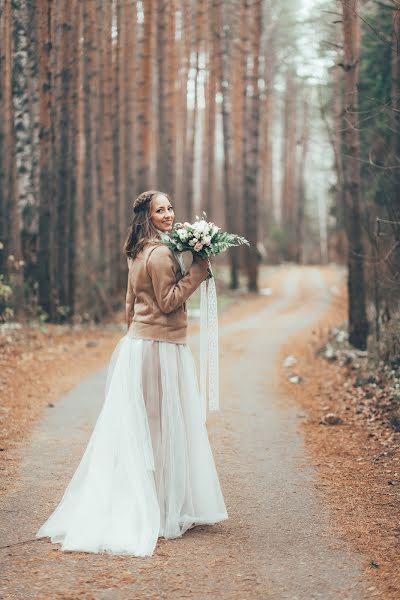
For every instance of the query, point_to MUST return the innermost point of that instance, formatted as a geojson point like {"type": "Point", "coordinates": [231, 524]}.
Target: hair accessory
{"type": "Point", "coordinates": [141, 201]}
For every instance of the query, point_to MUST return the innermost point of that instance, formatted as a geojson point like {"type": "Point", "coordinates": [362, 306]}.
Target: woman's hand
{"type": "Point", "coordinates": [204, 262]}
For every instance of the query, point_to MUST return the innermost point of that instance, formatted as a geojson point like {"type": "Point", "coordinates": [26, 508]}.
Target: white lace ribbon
{"type": "Point", "coordinates": [209, 371]}
{"type": "Point", "coordinates": [209, 353]}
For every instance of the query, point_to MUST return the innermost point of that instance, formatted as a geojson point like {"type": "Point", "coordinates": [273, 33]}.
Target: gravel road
{"type": "Point", "coordinates": [276, 544]}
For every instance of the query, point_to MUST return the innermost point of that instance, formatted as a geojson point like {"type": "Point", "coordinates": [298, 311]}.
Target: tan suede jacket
{"type": "Point", "coordinates": [157, 293]}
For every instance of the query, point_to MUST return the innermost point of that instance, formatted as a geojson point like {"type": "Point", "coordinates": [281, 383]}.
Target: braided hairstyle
{"type": "Point", "coordinates": [141, 229]}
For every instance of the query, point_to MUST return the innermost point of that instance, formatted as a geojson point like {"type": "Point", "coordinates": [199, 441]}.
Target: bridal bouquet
{"type": "Point", "coordinates": [202, 238]}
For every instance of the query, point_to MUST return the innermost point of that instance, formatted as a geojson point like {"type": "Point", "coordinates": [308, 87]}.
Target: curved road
{"type": "Point", "coordinates": [276, 543]}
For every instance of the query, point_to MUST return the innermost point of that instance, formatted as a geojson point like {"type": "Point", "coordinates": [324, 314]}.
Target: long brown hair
{"type": "Point", "coordinates": [141, 229]}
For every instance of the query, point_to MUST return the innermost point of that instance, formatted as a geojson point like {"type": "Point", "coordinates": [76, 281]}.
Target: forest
{"type": "Point", "coordinates": [280, 120]}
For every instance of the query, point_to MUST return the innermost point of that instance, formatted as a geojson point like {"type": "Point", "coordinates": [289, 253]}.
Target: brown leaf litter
{"type": "Point", "coordinates": [355, 449]}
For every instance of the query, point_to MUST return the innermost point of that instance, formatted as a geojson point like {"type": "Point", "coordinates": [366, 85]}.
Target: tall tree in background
{"type": "Point", "coordinates": [145, 89]}
{"type": "Point", "coordinates": [267, 120]}
{"type": "Point", "coordinates": [289, 165]}
{"type": "Point", "coordinates": [358, 324]}
{"type": "Point", "coordinates": [92, 192]}
{"type": "Point", "coordinates": [46, 270]}
{"type": "Point", "coordinates": [301, 182]}
{"type": "Point", "coordinates": [193, 130]}
{"type": "Point", "coordinates": [213, 83]}
{"type": "Point", "coordinates": [130, 74]}
{"type": "Point", "coordinates": [252, 147]}
{"type": "Point", "coordinates": [227, 170]}
{"type": "Point", "coordinates": [166, 60]}
{"type": "Point", "coordinates": [9, 221]}
{"type": "Point", "coordinates": [100, 101]}
{"type": "Point", "coordinates": [337, 144]}
{"type": "Point", "coordinates": [235, 71]}
{"type": "Point", "coordinates": [64, 52]}
{"type": "Point", "coordinates": [109, 229]}
{"type": "Point", "coordinates": [24, 97]}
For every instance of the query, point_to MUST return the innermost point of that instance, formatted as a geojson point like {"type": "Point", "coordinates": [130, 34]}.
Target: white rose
{"type": "Point", "coordinates": [182, 233]}
{"type": "Point", "coordinates": [199, 226]}
{"type": "Point", "coordinates": [192, 242]}
{"type": "Point", "coordinates": [204, 227]}
{"type": "Point", "coordinates": [207, 240]}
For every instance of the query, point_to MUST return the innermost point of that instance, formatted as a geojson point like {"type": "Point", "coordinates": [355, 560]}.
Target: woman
{"type": "Point", "coordinates": [148, 469]}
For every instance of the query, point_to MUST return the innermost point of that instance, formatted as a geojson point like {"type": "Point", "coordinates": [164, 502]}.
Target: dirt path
{"type": "Point", "coordinates": [276, 543]}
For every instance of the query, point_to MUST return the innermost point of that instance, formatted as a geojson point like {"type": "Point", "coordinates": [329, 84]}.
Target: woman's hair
{"type": "Point", "coordinates": [141, 229]}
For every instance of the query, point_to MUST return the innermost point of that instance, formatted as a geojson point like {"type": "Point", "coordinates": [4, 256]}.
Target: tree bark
{"type": "Point", "coordinates": [252, 158]}
{"type": "Point", "coordinates": [9, 222]}
{"type": "Point", "coordinates": [358, 324]}
{"type": "Point", "coordinates": [109, 227]}
{"type": "Point", "coordinates": [213, 86]}
{"type": "Point", "coordinates": [166, 59]}
{"type": "Point", "coordinates": [145, 96]}
{"type": "Point", "coordinates": [301, 185]}
{"type": "Point", "coordinates": [46, 275]}
{"type": "Point", "coordinates": [25, 101]}
{"type": "Point", "coordinates": [289, 166]}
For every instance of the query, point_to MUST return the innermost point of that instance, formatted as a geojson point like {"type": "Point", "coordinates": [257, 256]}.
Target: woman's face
{"type": "Point", "coordinates": [161, 213]}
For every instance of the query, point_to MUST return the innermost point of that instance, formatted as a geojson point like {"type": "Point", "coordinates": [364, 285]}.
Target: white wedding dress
{"type": "Point", "coordinates": [148, 469]}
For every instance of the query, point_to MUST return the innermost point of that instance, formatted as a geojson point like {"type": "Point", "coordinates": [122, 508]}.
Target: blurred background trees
{"type": "Point", "coordinates": [279, 119]}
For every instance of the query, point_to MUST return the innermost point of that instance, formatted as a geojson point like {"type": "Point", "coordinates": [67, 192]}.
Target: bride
{"type": "Point", "coordinates": [148, 469]}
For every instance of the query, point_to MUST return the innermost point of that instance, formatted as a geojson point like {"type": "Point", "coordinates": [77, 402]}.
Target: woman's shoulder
{"type": "Point", "coordinates": [161, 257]}
{"type": "Point", "coordinates": [159, 251]}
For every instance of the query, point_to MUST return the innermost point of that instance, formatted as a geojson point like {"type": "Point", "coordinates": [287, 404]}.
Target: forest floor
{"type": "Point", "coordinates": [311, 512]}
{"type": "Point", "coordinates": [348, 428]}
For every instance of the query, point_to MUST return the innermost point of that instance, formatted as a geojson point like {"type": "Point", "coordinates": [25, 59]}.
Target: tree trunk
{"type": "Point", "coordinates": [30, 226]}
{"type": "Point", "coordinates": [24, 99]}
{"type": "Point", "coordinates": [107, 167]}
{"type": "Point", "coordinates": [81, 266]}
{"type": "Point", "coordinates": [238, 78]}
{"type": "Point", "coordinates": [341, 242]}
{"type": "Point", "coordinates": [145, 96]}
{"type": "Point", "coordinates": [213, 85]}
{"type": "Point", "coordinates": [227, 161]}
{"type": "Point", "coordinates": [358, 324]}
{"type": "Point", "coordinates": [92, 150]}
{"type": "Point", "coordinates": [301, 185]}
{"type": "Point", "coordinates": [166, 58]}
{"type": "Point", "coordinates": [46, 211]}
{"type": "Point", "coordinates": [288, 197]}
{"type": "Point", "coordinates": [252, 162]}
{"type": "Point", "coordinates": [192, 125]}
{"type": "Point", "coordinates": [9, 222]}
{"type": "Point", "coordinates": [266, 174]}
{"type": "Point", "coordinates": [184, 49]}
{"type": "Point", "coordinates": [130, 57]}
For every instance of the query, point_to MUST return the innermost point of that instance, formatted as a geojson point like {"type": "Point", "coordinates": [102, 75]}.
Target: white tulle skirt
{"type": "Point", "coordinates": [148, 469]}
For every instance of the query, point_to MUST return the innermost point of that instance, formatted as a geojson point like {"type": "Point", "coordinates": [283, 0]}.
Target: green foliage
{"type": "Point", "coordinates": [374, 103]}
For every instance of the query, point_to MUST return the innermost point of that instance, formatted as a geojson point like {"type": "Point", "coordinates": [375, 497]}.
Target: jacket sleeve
{"type": "Point", "coordinates": [130, 300]}
{"type": "Point", "coordinates": [162, 267]}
